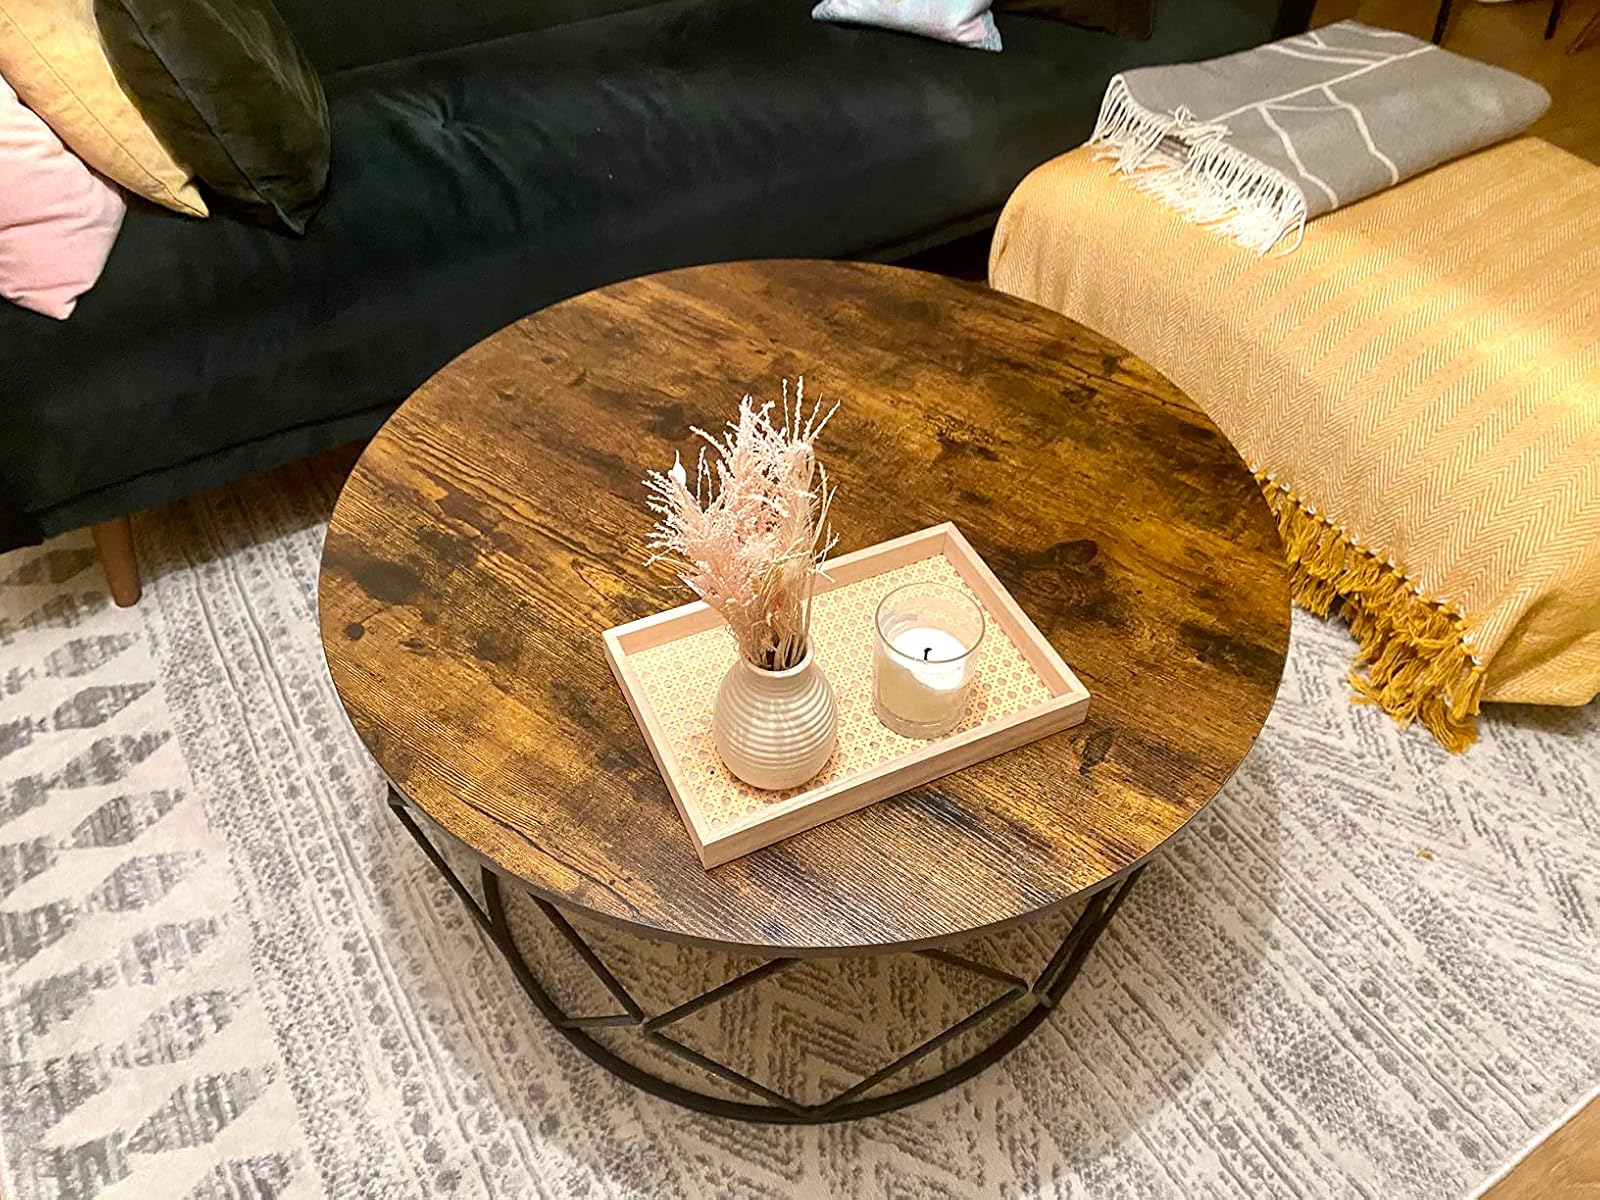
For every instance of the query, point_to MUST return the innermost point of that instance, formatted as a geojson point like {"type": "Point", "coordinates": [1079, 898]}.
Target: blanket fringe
{"type": "Point", "coordinates": [1414, 661]}
{"type": "Point", "coordinates": [1189, 166]}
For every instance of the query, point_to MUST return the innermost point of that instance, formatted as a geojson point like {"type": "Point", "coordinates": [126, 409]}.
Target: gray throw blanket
{"type": "Point", "coordinates": [1256, 143]}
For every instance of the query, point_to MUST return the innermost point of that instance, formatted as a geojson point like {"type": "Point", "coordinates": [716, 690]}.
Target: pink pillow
{"type": "Point", "coordinates": [58, 219]}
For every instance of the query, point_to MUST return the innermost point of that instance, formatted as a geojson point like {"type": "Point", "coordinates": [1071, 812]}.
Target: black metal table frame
{"type": "Point", "coordinates": [1040, 996]}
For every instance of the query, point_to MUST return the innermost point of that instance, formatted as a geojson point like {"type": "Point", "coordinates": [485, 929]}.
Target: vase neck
{"type": "Point", "coordinates": [793, 672]}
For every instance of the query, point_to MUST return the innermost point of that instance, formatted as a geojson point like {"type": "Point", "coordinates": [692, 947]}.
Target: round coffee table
{"type": "Point", "coordinates": [495, 526]}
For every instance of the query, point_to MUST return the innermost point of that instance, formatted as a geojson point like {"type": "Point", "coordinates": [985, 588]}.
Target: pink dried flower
{"type": "Point", "coordinates": [747, 539]}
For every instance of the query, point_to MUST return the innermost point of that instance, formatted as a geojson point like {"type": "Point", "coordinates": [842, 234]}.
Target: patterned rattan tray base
{"type": "Point", "coordinates": [671, 665]}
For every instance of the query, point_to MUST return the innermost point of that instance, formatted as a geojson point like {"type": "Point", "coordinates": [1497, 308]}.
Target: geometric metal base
{"type": "Point", "coordinates": [1039, 997]}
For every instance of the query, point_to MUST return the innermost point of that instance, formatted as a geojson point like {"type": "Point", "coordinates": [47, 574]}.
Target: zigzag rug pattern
{"type": "Point", "coordinates": [225, 972]}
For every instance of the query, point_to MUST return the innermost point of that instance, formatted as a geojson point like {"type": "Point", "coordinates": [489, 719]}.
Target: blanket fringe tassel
{"type": "Point", "coordinates": [1414, 661]}
{"type": "Point", "coordinates": [1188, 165]}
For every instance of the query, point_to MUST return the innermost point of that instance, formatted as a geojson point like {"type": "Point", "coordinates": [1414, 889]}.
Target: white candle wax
{"type": "Point", "coordinates": [925, 683]}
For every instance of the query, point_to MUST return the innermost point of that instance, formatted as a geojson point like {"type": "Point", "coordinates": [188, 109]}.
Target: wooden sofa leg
{"type": "Point", "coordinates": [114, 542]}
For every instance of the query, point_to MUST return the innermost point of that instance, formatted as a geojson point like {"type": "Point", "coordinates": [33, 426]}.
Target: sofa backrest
{"type": "Point", "coordinates": [353, 33]}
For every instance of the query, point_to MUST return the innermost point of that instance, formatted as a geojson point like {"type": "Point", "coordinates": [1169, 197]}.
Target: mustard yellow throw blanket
{"type": "Point", "coordinates": [1417, 390]}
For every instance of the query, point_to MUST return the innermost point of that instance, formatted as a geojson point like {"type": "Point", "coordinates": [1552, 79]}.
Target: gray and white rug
{"type": "Point", "coordinates": [225, 971]}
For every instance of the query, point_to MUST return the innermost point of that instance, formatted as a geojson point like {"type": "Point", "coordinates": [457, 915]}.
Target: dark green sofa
{"type": "Point", "coordinates": [495, 156]}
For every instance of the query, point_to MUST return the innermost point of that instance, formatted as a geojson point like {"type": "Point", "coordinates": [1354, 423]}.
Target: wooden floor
{"type": "Point", "coordinates": [1565, 1166]}
{"type": "Point", "coordinates": [1510, 35]}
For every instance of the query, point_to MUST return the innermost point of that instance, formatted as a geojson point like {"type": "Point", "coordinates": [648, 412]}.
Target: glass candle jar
{"type": "Point", "coordinates": [923, 660]}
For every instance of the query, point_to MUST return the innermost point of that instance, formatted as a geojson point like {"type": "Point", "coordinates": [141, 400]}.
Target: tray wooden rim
{"type": "Point", "coordinates": [932, 760]}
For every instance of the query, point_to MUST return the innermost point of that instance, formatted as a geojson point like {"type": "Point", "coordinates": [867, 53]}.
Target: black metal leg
{"type": "Point", "coordinates": [1037, 997]}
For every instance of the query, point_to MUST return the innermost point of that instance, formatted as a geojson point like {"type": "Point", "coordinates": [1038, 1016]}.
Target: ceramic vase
{"type": "Point", "coordinates": [775, 729]}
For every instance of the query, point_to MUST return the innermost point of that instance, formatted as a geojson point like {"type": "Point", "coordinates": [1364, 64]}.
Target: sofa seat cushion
{"type": "Point", "coordinates": [472, 186]}
{"type": "Point", "coordinates": [1417, 387]}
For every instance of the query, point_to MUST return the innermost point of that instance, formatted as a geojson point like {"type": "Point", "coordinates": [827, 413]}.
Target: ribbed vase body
{"type": "Point", "coordinates": [775, 729]}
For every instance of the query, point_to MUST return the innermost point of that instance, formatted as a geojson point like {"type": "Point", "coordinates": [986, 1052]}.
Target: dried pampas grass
{"type": "Point", "coordinates": [748, 538]}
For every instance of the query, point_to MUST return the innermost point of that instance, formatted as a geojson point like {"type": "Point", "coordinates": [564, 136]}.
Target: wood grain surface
{"type": "Point", "coordinates": [495, 527]}
{"type": "Point", "coordinates": [1564, 1166]}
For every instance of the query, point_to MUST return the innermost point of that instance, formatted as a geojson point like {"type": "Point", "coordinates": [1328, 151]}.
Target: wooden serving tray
{"type": "Point", "coordinates": [670, 666]}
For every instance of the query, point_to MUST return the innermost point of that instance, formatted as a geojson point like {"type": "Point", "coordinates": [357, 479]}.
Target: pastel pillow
{"type": "Point", "coordinates": [964, 22]}
{"type": "Point", "coordinates": [50, 52]}
{"type": "Point", "coordinates": [58, 219]}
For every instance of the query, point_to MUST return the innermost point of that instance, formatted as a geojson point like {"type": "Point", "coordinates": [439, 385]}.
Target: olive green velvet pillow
{"type": "Point", "coordinates": [226, 89]}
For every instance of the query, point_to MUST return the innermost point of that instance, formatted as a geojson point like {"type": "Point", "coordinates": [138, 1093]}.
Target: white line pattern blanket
{"type": "Point", "coordinates": [1257, 143]}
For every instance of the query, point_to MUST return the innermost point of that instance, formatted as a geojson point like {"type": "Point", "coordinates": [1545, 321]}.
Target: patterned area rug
{"type": "Point", "coordinates": [226, 972]}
